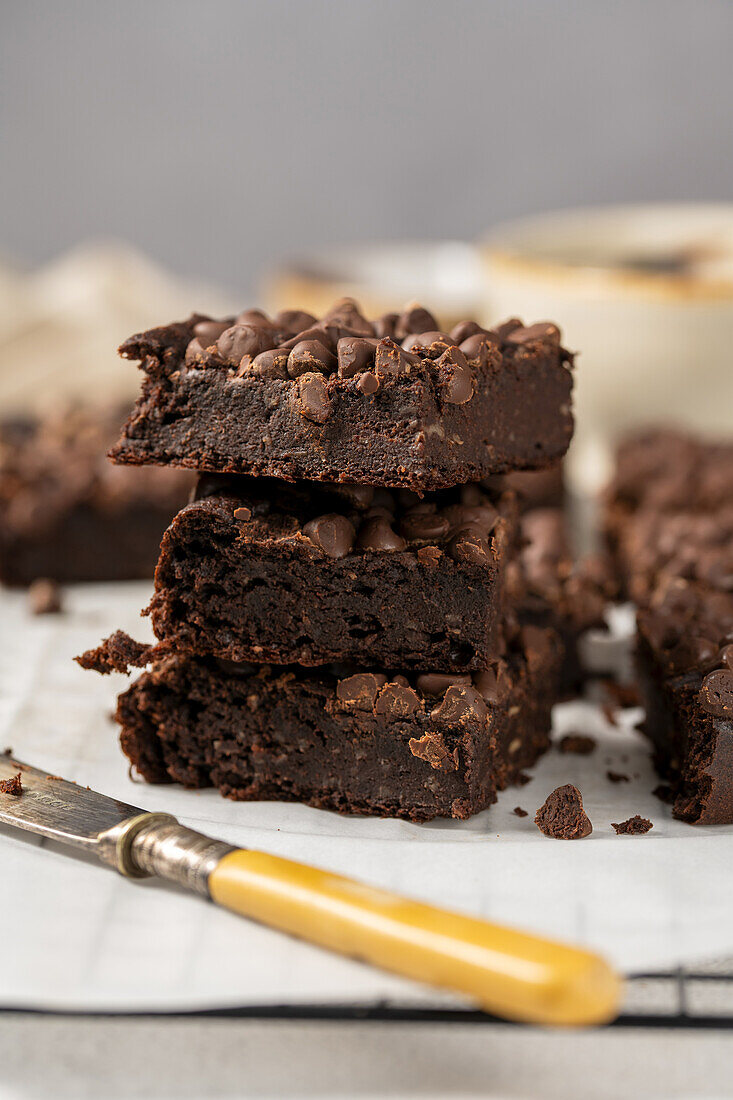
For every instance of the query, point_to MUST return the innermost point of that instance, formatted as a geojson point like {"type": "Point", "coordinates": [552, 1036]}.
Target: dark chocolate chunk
{"type": "Point", "coordinates": [270, 364]}
{"type": "Point", "coordinates": [459, 705]}
{"type": "Point", "coordinates": [431, 748]}
{"type": "Point", "coordinates": [240, 340]}
{"type": "Point", "coordinates": [633, 826]}
{"type": "Point", "coordinates": [716, 693]}
{"type": "Point", "coordinates": [360, 690]}
{"type": "Point", "coordinates": [355, 354]}
{"type": "Point", "coordinates": [332, 533]}
{"type": "Point", "coordinates": [377, 534]}
{"type": "Point", "coordinates": [390, 359]}
{"type": "Point", "coordinates": [385, 325]}
{"type": "Point", "coordinates": [397, 700]}
{"type": "Point", "coordinates": [310, 356]}
{"type": "Point", "coordinates": [456, 380]}
{"type": "Point", "coordinates": [315, 404]}
{"type": "Point", "coordinates": [562, 816]}
{"type": "Point", "coordinates": [346, 314]}
{"type": "Point", "coordinates": [494, 683]}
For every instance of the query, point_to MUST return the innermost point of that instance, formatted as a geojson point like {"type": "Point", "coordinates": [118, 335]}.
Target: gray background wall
{"type": "Point", "coordinates": [221, 136]}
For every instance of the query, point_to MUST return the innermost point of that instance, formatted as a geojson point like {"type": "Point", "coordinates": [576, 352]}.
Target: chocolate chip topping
{"type": "Point", "coordinates": [240, 340]}
{"type": "Point", "coordinates": [377, 534]}
{"type": "Point", "coordinates": [397, 700]}
{"type": "Point", "coordinates": [716, 693]}
{"type": "Point", "coordinates": [437, 683]}
{"type": "Point", "coordinates": [414, 319]}
{"type": "Point", "coordinates": [355, 354]}
{"type": "Point", "coordinates": [431, 748]}
{"type": "Point", "coordinates": [309, 356]}
{"type": "Point", "coordinates": [208, 332]}
{"type": "Point", "coordinates": [494, 684]}
{"type": "Point", "coordinates": [726, 657]}
{"type": "Point", "coordinates": [333, 534]}
{"type": "Point", "coordinates": [294, 320]}
{"type": "Point", "coordinates": [385, 325]}
{"type": "Point", "coordinates": [456, 379]}
{"type": "Point", "coordinates": [433, 341]}
{"type": "Point", "coordinates": [360, 691]}
{"type": "Point", "coordinates": [463, 330]}
{"type": "Point", "coordinates": [368, 383]}
{"type": "Point", "coordinates": [459, 705]}
{"type": "Point", "coordinates": [346, 314]}
{"type": "Point", "coordinates": [390, 358]}
{"type": "Point", "coordinates": [270, 364]}
{"type": "Point", "coordinates": [543, 330]}
{"type": "Point", "coordinates": [424, 522]}
{"type": "Point", "coordinates": [562, 816]}
{"type": "Point", "coordinates": [315, 404]}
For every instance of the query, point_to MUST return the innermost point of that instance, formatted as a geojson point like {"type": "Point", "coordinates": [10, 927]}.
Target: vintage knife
{"type": "Point", "coordinates": [507, 972]}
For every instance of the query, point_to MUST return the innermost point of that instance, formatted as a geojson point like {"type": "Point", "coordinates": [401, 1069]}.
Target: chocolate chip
{"type": "Point", "coordinates": [397, 701]}
{"type": "Point", "coordinates": [459, 705]}
{"type": "Point", "coordinates": [385, 325]}
{"type": "Point", "coordinates": [390, 358]}
{"type": "Point", "coordinates": [253, 317]}
{"type": "Point", "coordinates": [309, 356]}
{"type": "Point", "coordinates": [333, 534]}
{"type": "Point", "coordinates": [543, 330]}
{"type": "Point", "coordinates": [476, 348]}
{"type": "Point", "coordinates": [470, 546]}
{"type": "Point", "coordinates": [270, 364]}
{"type": "Point", "coordinates": [294, 320]}
{"type": "Point", "coordinates": [360, 691]}
{"type": "Point", "coordinates": [455, 377]}
{"type": "Point", "coordinates": [414, 319]}
{"type": "Point", "coordinates": [346, 314]}
{"type": "Point", "coordinates": [368, 383]}
{"type": "Point", "coordinates": [313, 396]}
{"type": "Point", "coordinates": [463, 330]}
{"type": "Point", "coordinates": [423, 522]}
{"type": "Point", "coordinates": [494, 684]}
{"type": "Point", "coordinates": [726, 657]}
{"type": "Point", "coordinates": [194, 352]}
{"type": "Point", "coordinates": [315, 332]}
{"type": "Point", "coordinates": [426, 340]}
{"type": "Point", "coordinates": [562, 816]}
{"type": "Point", "coordinates": [208, 332]}
{"type": "Point", "coordinates": [437, 683]}
{"type": "Point", "coordinates": [431, 748]}
{"type": "Point", "coordinates": [377, 534]}
{"type": "Point", "coordinates": [503, 330]}
{"type": "Point", "coordinates": [355, 354]}
{"type": "Point", "coordinates": [240, 340]}
{"type": "Point", "coordinates": [243, 514]}
{"type": "Point", "coordinates": [716, 693]}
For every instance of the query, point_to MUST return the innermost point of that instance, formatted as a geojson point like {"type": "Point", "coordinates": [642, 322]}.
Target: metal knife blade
{"type": "Point", "coordinates": [56, 808]}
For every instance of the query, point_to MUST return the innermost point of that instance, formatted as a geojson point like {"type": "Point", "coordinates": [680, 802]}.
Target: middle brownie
{"type": "Point", "coordinates": [259, 570]}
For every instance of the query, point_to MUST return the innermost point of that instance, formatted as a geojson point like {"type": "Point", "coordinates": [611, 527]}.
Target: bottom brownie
{"type": "Point", "coordinates": [426, 746]}
{"type": "Point", "coordinates": [685, 660]}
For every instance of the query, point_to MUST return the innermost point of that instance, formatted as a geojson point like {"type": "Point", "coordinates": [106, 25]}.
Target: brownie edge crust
{"type": "Point", "coordinates": [428, 746]}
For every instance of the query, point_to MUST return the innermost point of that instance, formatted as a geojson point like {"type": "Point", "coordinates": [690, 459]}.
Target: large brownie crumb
{"type": "Point", "coordinates": [519, 811]}
{"type": "Point", "coordinates": [633, 826]}
{"type": "Point", "coordinates": [579, 743]}
{"type": "Point", "coordinates": [117, 653]}
{"type": "Point", "coordinates": [562, 816]}
{"type": "Point", "coordinates": [11, 786]}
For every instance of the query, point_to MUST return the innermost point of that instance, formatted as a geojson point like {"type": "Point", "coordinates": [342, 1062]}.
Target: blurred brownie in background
{"type": "Point", "coordinates": [66, 513]}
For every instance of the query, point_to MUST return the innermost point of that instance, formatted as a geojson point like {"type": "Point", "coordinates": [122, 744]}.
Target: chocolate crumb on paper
{"type": "Point", "coordinates": [44, 597]}
{"type": "Point", "coordinates": [562, 817]}
{"type": "Point", "coordinates": [633, 826]}
{"type": "Point", "coordinates": [580, 744]}
{"type": "Point", "coordinates": [11, 786]}
{"type": "Point", "coordinates": [616, 777]}
{"type": "Point", "coordinates": [520, 812]}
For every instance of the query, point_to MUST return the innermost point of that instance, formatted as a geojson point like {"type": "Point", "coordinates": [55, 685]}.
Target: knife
{"type": "Point", "coordinates": [506, 972]}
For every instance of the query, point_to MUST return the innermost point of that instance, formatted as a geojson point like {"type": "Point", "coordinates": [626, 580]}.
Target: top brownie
{"type": "Point", "coordinates": [392, 402]}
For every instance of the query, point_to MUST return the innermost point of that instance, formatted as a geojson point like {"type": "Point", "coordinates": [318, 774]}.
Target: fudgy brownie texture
{"type": "Point", "coordinates": [260, 570]}
{"type": "Point", "coordinates": [552, 587]}
{"type": "Point", "coordinates": [67, 514]}
{"type": "Point", "coordinates": [669, 511]}
{"type": "Point", "coordinates": [415, 746]}
{"type": "Point", "coordinates": [392, 402]}
{"type": "Point", "coordinates": [685, 659]}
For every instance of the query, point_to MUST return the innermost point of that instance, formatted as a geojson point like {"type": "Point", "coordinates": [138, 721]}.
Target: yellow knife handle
{"type": "Point", "coordinates": [507, 972]}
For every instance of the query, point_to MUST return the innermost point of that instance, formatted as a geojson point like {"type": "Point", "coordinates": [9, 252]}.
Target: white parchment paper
{"type": "Point", "coordinates": [77, 936]}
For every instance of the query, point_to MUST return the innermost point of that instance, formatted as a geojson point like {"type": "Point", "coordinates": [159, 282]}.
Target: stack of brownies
{"type": "Point", "coordinates": [339, 611]}
{"type": "Point", "coordinates": [669, 525]}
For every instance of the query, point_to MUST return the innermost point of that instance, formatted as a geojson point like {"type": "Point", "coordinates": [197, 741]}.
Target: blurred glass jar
{"type": "Point", "coordinates": [645, 294]}
{"type": "Point", "coordinates": [443, 276]}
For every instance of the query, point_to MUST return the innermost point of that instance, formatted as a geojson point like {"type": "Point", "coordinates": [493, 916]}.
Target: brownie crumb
{"type": "Point", "coordinates": [562, 816]}
{"type": "Point", "coordinates": [521, 779]}
{"type": "Point", "coordinates": [633, 826]}
{"type": "Point", "coordinates": [118, 653]}
{"type": "Point", "coordinates": [579, 743]}
{"type": "Point", "coordinates": [11, 786]}
{"type": "Point", "coordinates": [519, 811]}
{"type": "Point", "coordinates": [616, 777]}
{"type": "Point", "coordinates": [664, 793]}
{"type": "Point", "coordinates": [44, 598]}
